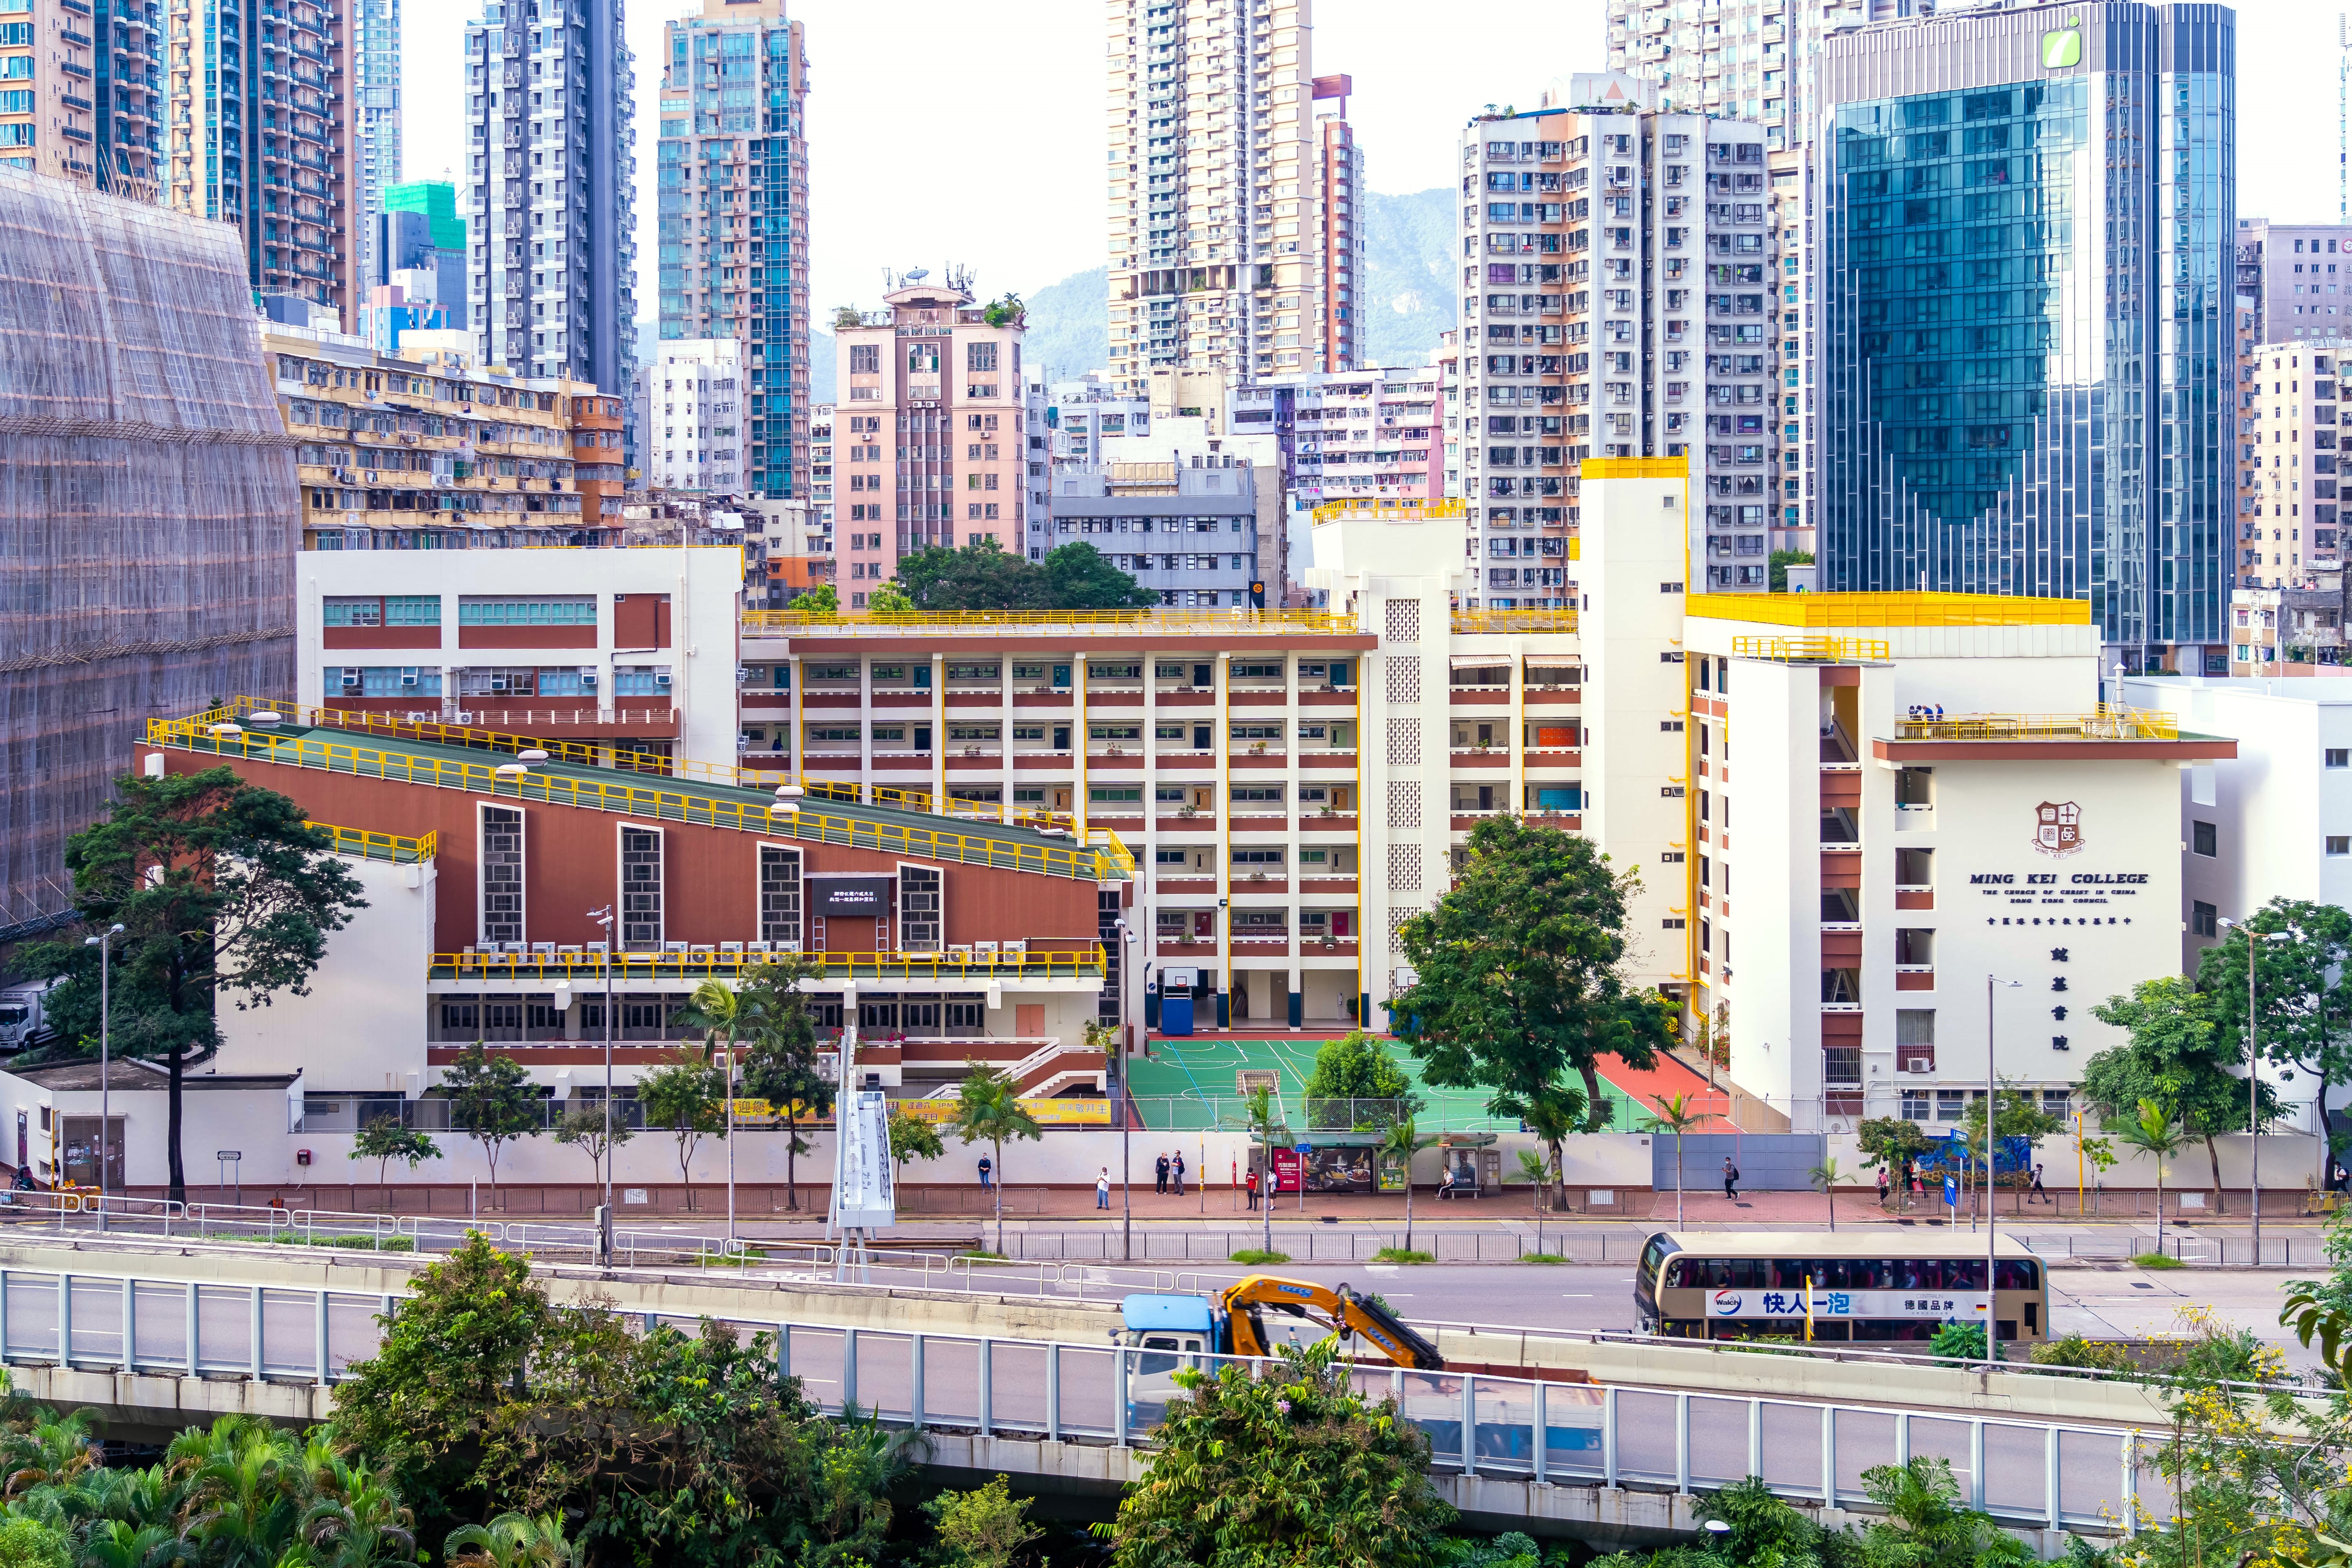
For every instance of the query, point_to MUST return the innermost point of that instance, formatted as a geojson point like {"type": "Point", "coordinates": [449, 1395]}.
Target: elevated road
{"type": "Point", "coordinates": [1603, 1437]}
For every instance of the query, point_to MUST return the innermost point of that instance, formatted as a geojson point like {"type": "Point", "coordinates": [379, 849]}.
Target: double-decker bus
{"type": "Point", "coordinates": [1752, 1284]}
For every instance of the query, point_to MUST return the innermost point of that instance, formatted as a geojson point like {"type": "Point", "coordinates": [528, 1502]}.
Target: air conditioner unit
{"type": "Point", "coordinates": [661, 678]}
{"type": "Point", "coordinates": [497, 683]}
{"type": "Point", "coordinates": [588, 675]}
{"type": "Point", "coordinates": [350, 678]}
{"type": "Point", "coordinates": [408, 675]}
{"type": "Point", "coordinates": [1918, 1064]}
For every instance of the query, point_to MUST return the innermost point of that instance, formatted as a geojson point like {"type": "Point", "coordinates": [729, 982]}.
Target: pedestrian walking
{"type": "Point", "coordinates": [2037, 1195]}
{"type": "Point", "coordinates": [1159, 1175]}
{"type": "Point", "coordinates": [1252, 1187]}
{"type": "Point", "coordinates": [987, 1170]}
{"type": "Point", "coordinates": [1176, 1172]}
{"type": "Point", "coordinates": [1102, 1189]}
{"type": "Point", "coordinates": [1730, 1179]}
{"type": "Point", "coordinates": [2336, 1175]}
{"type": "Point", "coordinates": [1882, 1186]}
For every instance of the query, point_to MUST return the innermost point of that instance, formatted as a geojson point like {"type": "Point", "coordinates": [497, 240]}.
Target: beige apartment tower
{"type": "Point", "coordinates": [1233, 233]}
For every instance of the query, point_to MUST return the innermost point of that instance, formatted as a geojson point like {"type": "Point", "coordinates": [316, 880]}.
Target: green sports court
{"type": "Point", "coordinates": [1195, 1085]}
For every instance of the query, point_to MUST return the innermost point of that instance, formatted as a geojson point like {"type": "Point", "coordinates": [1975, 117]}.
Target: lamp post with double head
{"type": "Point", "coordinates": [2254, 1081]}
{"type": "Point", "coordinates": [603, 918]}
{"type": "Point", "coordinates": [104, 943]}
{"type": "Point", "coordinates": [1992, 1215]}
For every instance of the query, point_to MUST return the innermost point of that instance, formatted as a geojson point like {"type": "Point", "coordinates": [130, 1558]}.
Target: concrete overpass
{"type": "Point", "coordinates": [1603, 1440]}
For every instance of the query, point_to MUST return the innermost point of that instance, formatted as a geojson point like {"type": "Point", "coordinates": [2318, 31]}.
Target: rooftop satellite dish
{"type": "Point", "coordinates": [917, 274]}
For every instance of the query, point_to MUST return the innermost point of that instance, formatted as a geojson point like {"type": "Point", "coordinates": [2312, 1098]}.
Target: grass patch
{"type": "Point", "coordinates": [742, 1258]}
{"type": "Point", "coordinates": [348, 1243]}
{"type": "Point", "coordinates": [1402, 1255]}
{"type": "Point", "coordinates": [2153, 1261]}
{"type": "Point", "coordinates": [982, 1255]}
{"type": "Point", "coordinates": [1258, 1255]}
{"type": "Point", "coordinates": [1543, 1258]}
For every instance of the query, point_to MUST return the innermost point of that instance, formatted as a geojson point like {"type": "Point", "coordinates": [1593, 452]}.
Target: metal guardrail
{"type": "Point", "coordinates": [2033, 1473]}
{"type": "Point", "coordinates": [1823, 611]}
{"type": "Point", "coordinates": [363, 845]}
{"type": "Point", "coordinates": [1466, 622]}
{"type": "Point", "coordinates": [628, 968]}
{"type": "Point", "coordinates": [2106, 723]}
{"type": "Point", "coordinates": [1150, 622]}
{"type": "Point", "coordinates": [1812, 651]}
{"type": "Point", "coordinates": [1102, 858]}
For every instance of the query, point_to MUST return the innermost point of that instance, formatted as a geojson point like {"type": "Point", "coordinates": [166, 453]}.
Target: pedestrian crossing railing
{"type": "Point", "coordinates": [2026, 1473]}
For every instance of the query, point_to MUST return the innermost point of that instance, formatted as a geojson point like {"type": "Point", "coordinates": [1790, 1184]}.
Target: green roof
{"type": "Point", "coordinates": [437, 200]}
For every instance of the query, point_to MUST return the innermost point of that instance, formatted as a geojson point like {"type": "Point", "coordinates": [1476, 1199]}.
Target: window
{"type": "Point", "coordinates": [2339, 844]}
{"type": "Point", "coordinates": [501, 873]}
{"type": "Point", "coordinates": [2204, 919]}
{"type": "Point", "coordinates": [1914, 1027]}
{"type": "Point", "coordinates": [2340, 756]}
{"type": "Point", "coordinates": [1914, 949]}
{"type": "Point", "coordinates": [865, 359]}
{"type": "Point", "coordinates": [2203, 840]}
{"type": "Point", "coordinates": [565, 612]}
{"type": "Point", "coordinates": [920, 894]}
{"type": "Point", "coordinates": [1842, 1065]}
{"type": "Point", "coordinates": [780, 894]}
{"type": "Point", "coordinates": [1114, 795]}
{"type": "Point", "coordinates": [1257, 856]}
{"type": "Point", "coordinates": [979, 356]}
{"type": "Point", "coordinates": [1915, 867]}
{"type": "Point", "coordinates": [641, 890]}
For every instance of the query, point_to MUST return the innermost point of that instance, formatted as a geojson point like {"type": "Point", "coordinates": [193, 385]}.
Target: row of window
{"type": "Point", "coordinates": [1340, 672]}
{"type": "Point", "coordinates": [429, 680]}
{"type": "Point", "coordinates": [424, 610]}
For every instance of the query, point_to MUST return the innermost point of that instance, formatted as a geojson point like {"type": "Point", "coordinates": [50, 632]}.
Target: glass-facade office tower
{"type": "Point", "coordinates": [733, 190]}
{"type": "Point", "coordinates": [551, 264]}
{"type": "Point", "coordinates": [375, 120]}
{"type": "Point", "coordinates": [2025, 278]}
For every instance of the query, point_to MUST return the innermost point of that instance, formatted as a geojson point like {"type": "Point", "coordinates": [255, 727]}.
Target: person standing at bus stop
{"type": "Point", "coordinates": [1176, 1172]}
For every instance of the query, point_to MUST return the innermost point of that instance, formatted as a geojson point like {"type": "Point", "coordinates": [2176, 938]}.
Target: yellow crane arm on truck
{"type": "Point", "coordinates": [1338, 1309]}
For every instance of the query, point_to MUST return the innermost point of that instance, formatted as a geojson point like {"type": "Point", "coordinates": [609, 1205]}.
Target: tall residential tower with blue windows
{"type": "Point", "coordinates": [733, 235]}
{"type": "Point", "coordinates": [2024, 280]}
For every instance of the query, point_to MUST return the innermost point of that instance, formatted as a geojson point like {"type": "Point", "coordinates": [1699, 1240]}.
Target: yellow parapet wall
{"type": "Point", "coordinates": [1816, 611]}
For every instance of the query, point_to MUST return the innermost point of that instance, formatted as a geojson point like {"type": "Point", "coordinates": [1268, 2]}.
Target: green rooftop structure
{"type": "Point", "coordinates": [437, 200]}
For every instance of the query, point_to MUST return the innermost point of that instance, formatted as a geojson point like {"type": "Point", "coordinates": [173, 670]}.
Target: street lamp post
{"type": "Point", "coordinates": [603, 917]}
{"type": "Point", "coordinates": [2254, 1083]}
{"type": "Point", "coordinates": [104, 943]}
{"type": "Point", "coordinates": [1992, 1213]}
{"type": "Point", "coordinates": [1127, 982]}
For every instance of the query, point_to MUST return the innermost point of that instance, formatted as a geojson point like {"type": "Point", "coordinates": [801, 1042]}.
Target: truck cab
{"type": "Point", "coordinates": [1167, 1327]}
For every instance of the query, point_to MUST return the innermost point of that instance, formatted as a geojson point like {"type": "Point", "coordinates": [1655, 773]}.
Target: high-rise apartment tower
{"type": "Point", "coordinates": [734, 217]}
{"type": "Point", "coordinates": [1234, 209]}
{"type": "Point", "coordinates": [261, 139]}
{"type": "Point", "coordinates": [1615, 293]}
{"type": "Point", "coordinates": [376, 115]}
{"type": "Point", "coordinates": [2027, 342]}
{"type": "Point", "coordinates": [81, 97]}
{"type": "Point", "coordinates": [551, 269]}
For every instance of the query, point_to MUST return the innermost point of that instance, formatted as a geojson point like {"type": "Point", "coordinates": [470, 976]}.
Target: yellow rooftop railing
{"type": "Point", "coordinates": [1434, 507]}
{"type": "Point", "coordinates": [1101, 858]}
{"type": "Point", "coordinates": [571, 963]}
{"type": "Point", "coordinates": [363, 844]}
{"type": "Point", "coordinates": [2103, 723]}
{"type": "Point", "coordinates": [1161, 622]}
{"type": "Point", "coordinates": [1822, 611]}
{"type": "Point", "coordinates": [1812, 651]}
{"type": "Point", "coordinates": [1471, 621]}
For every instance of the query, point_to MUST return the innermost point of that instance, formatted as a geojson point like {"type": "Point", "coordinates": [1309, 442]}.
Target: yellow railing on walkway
{"type": "Point", "coordinates": [1101, 858]}
{"type": "Point", "coordinates": [1822, 611]}
{"type": "Point", "coordinates": [578, 964]}
{"type": "Point", "coordinates": [2105, 724]}
{"type": "Point", "coordinates": [1812, 651]}
{"type": "Point", "coordinates": [363, 844]}
{"type": "Point", "coordinates": [1435, 507]}
{"type": "Point", "coordinates": [585, 755]}
{"type": "Point", "coordinates": [1560, 620]}
{"type": "Point", "coordinates": [1087, 623]}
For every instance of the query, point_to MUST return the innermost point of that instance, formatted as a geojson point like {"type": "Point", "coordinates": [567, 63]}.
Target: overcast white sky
{"type": "Point", "coordinates": [922, 84]}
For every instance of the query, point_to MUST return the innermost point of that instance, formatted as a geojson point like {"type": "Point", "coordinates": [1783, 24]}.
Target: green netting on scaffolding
{"type": "Point", "coordinates": [149, 511]}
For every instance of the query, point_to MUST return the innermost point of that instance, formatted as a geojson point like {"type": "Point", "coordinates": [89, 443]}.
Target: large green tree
{"type": "Point", "coordinates": [1289, 1466]}
{"type": "Point", "coordinates": [2179, 1059]}
{"type": "Point", "coordinates": [1515, 972]}
{"type": "Point", "coordinates": [983, 576]}
{"type": "Point", "coordinates": [221, 888]}
{"type": "Point", "coordinates": [779, 1064]}
{"type": "Point", "coordinates": [1355, 1068]}
{"type": "Point", "coordinates": [492, 1101]}
{"type": "Point", "coordinates": [2303, 987]}
{"type": "Point", "coordinates": [687, 1095]}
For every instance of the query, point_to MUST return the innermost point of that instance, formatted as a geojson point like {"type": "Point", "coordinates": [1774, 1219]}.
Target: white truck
{"type": "Point", "coordinates": [23, 1020]}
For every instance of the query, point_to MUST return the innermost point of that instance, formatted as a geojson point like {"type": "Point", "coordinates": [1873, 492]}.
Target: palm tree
{"type": "Point", "coordinates": [2157, 1135]}
{"type": "Point", "coordinates": [1826, 1176]}
{"type": "Point", "coordinates": [1264, 1121]}
{"type": "Point", "coordinates": [1538, 1170]}
{"type": "Point", "coordinates": [1551, 1113]}
{"type": "Point", "coordinates": [1675, 1116]}
{"type": "Point", "coordinates": [989, 1109]}
{"type": "Point", "coordinates": [245, 1491]}
{"type": "Point", "coordinates": [513, 1541]}
{"type": "Point", "coordinates": [52, 1453]}
{"type": "Point", "coordinates": [1399, 1142]}
{"type": "Point", "coordinates": [716, 1010]}
{"type": "Point", "coordinates": [113, 1543]}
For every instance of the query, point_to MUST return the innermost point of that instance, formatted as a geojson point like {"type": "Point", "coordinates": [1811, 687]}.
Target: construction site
{"type": "Point", "coordinates": [149, 513]}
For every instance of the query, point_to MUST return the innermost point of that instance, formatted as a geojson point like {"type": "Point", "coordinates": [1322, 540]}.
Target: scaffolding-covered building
{"type": "Point", "coordinates": [149, 513]}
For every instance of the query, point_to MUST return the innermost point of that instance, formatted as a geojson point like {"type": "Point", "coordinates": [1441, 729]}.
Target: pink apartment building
{"type": "Point", "coordinates": [929, 432]}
